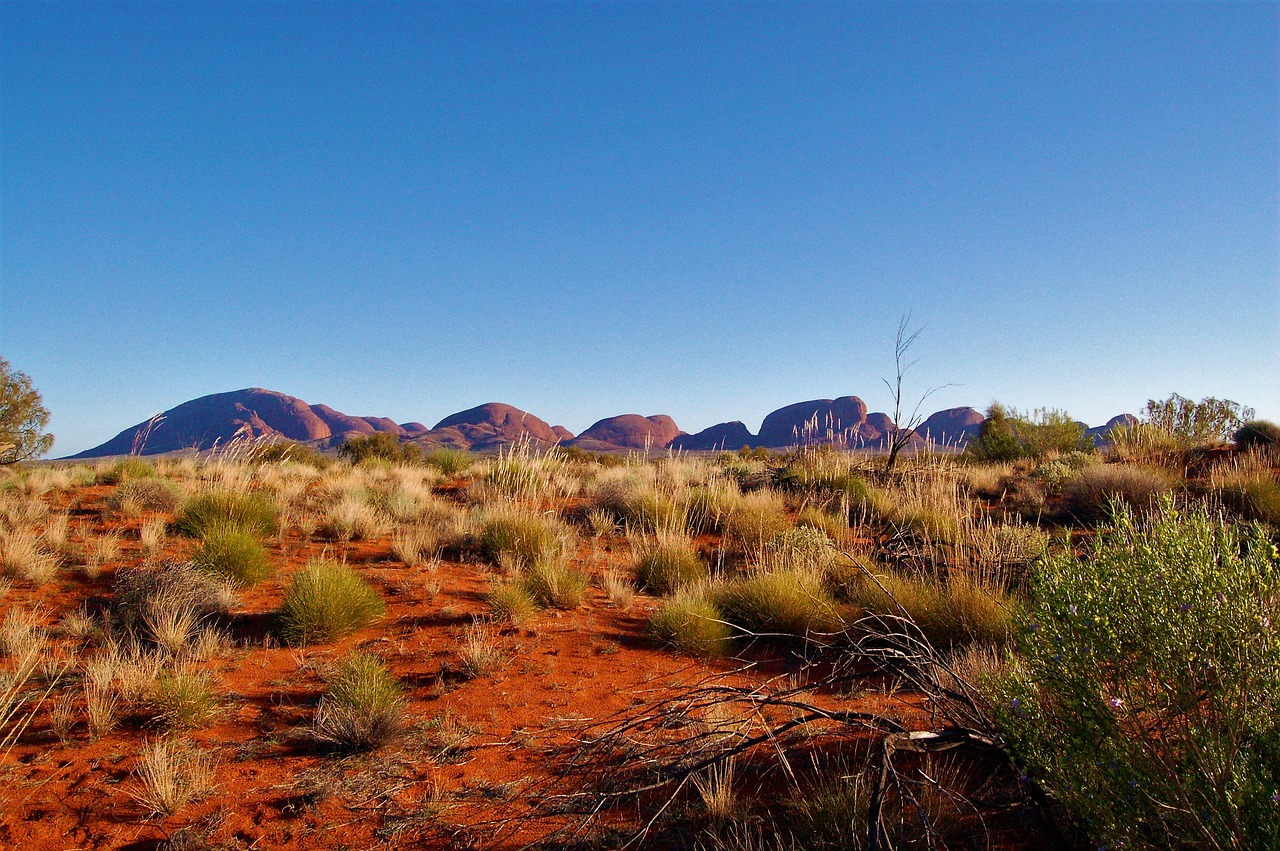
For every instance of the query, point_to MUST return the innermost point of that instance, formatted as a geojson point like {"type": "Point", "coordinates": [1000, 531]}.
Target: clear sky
{"type": "Point", "coordinates": [707, 210]}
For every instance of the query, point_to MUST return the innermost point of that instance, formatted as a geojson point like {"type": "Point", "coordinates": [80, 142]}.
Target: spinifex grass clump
{"type": "Point", "coordinates": [363, 707]}
{"type": "Point", "coordinates": [506, 532]}
{"type": "Point", "coordinates": [325, 601]}
{"type": "Point", "coordinates": [247, 510]}
{"type": "Point", "coordinates": [1149, 701]}
{"type": "Point", "coordinates": [689, 622]}
{"type": "Point", "coordinates": [233, 553]}
{"type": "Point", "coordinates": [666, 563]}
{"type": "Point", "coordinates": [781, 603]}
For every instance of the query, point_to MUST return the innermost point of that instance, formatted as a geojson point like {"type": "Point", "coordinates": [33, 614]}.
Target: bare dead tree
{"type": "Point", "coordinates": [900, 435]}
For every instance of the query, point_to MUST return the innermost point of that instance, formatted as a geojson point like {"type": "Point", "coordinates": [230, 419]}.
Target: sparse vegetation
{"type": "Point", "coordinates": [363, 707]}
{"type": "Point", "coordinates": [233, 553]}
{"type": "Point", "coordinates": [216, 508]}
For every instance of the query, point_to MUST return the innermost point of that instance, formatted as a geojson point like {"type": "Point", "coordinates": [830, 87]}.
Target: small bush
{"type": "Point", "coordinates": [690, 623]}
{"type": "Point", "coordinates": [666, 563]}
{"type": "Point", "coordinates": [451, 462]}
{"type": "Point", "coordinates": [124, 469]}
{"type": "Point", "coordinates": [363, 707]}
{"type": "Point", "coordinates": [167, 603]}
{"type": "Point", "coordinates": [326, 601]}
{"type": "Point", "coordinates": [553, 583]}
{"type": "Point", "coordinates": [353, 519]}
{"type": "Point", "coordinates": [524, 538]}
{"type": "Point", "coordinates": [216, 508]}
{"type": "Point", "coordinates": [949, 614]}
{"type": "Point", "coordinates": [1257, 433]}
{"type": "Point", "coordinates": [381, 446]}
{"type": "Point", "coordinates": [480, 654]}
{"type": "Point", "coordinates": [1095, 488]}
{"type": "Point", "coordinates": [781, 603]}
{"type": "Point", "coordinates": [1194, 424]}
{"type": "Point", "coordinates": [512, 602]}
{"type": "Point", "coordinates": [1147, 702]}
{"type": "Point", "coordinates": [233, 553]}
{"type": "Point", "coordinates": [182, 700]}
{"type": "Point", "coordinates": [297, 453]}
{"type": "Point", "coordinates": [136, 495]}
{"type": "Point", "coordinates": [22, 557]}
{"type": "Point", "coordinates": [1255, 496]}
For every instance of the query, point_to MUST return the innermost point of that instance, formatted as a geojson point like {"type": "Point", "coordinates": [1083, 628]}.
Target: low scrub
{"type": "Point", "coordinates": [182, 699]}
{"type": "Point", "coordinates": [666, 563]}
{"type": "Point", "coordinates": [1147, 701]}
{"type": "Point", "coordinates": [326, 601]}
{"type": "Point", "coordinates": [233, 553]}
{"type": "Point", "coordinates": [363, 707]}
{"type": "Point", "coordinates": [215, 508]}
{"type": "Point", "coordinates": [689, 622]}
{"type": "Point", "coordinates": [1255, 496]}
{"type": "Point", "coordinates": [137, 496]}
{"type": "Point", "coordinates": [779, 604]}
{"type": "Point", "coordinates": [505, 533]}
{"type": "Point", "coordinates": [125, 469]}
{"type": "Point", "coordinates": [450, 462]}
{"type": "Point", "coordinates": [949, 614]}
{"type": "Point", "coordinates": [555, 584]}
{"type": "Point", "coordinates": [512, 602]}
{"type": "Point", "coordinates": [1095, 489]}
{"type": "Point", "coordinates": [170, 774]}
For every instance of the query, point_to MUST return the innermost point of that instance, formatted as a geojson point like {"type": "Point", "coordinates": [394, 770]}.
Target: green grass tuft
{"type": "Point", "coordinates": [326, 601]}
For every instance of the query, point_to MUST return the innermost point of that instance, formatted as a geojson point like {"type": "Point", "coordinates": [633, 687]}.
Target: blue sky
{"type": "Point", "coordinates": [586, 209]}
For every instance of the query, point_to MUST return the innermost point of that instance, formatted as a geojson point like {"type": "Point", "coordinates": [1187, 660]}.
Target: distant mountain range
{"type": "Point", "coordinates": [255, 413]}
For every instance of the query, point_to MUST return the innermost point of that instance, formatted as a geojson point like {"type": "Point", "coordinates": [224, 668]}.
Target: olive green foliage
{"type": "Point", "coordinates": [1257, 433]}
{"type": "Point", "coordinates": [1147, 701]}
{"type": "Point", "coordinates": [518, 536]}
{"type": "Point", "coordinates": [553, 583]}
{"type": "Point", "coordinates": [512, 602]}
{"type": "Point", "coordinates": [285, 450]}
{"type": "Point", "coordinates": [1197, 423]}
{"type": "Point", "coordinates": [146, 494]}
{"type": "Point", "coordinates": [690, 623]}
{"type": "Point", "coordinates": [126, 469]}
{"type": "Point", "coordinates": [779, 604]}
{"type": "Point", "coordinates": [326, 601]}
{"type": "Point", "coordinates": [234, 553]}
{"type": "Point", "coordinates": [952, 613]}
{"type": "Point", "coordinates": [22, 417]}
{"type": "Point", "coordinates": [668, 563]}
{"type": "Point", "coordinates": [363, 707]}
{"type": "Point", "coordinates": [182, 699]}
{"type": "Point", "coordinates": [218, 508]}
{"type": "Point", "coordinates": [1007, 435]}
{"type": "Point", "coordinates": [382, 445]}
{"type": "Point", "coordinates": [451, 462]}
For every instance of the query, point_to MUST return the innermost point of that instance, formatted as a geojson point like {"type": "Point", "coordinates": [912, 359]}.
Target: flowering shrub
{"type": "Point", "coordinates": [1148, 701]}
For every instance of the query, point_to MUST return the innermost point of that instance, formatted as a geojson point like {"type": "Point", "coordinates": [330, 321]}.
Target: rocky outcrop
{"type": "Point", "coordinates": [722, 437]}
{"type": "Point", "coordinates": [952, 427]}
{"type": "Point", "coordinates": [1099, 434]}
{"type": "Point", "coordinates": [219, 418]}
{"type": "Point", "coordinates": [628, 431]}
{"type": "Point", "coordinates": [842, 422]}
{"type": "Point", "coordinates": [490, 426]}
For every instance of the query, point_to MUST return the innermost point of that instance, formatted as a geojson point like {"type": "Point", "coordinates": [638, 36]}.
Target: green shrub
{"type": "Point", "coordinates": [690, 623]}
{"type": "Point", "coordinates": [783, 603]}
{"type": "Point", "coordinates": [182, 700]}
{"type": "Point", "coordinates": [217, 508]}
{"type": "Point", "coordinates": [1194, 424]}
{"type": "Point", "coordinates": [285, 450]}
{"type": "Point", "coordinates": [326, 601]}
{"type": "Point", "coordinates": [152, 494]}
{"type": "Point", "coordinates": [234, 553]}
{"type": "Point", "coordinates": [379, 446]}
{"type": "Point", "coordinates": [666, 563]}
{"type": "Point", "coordinates": [509, 533]}
{"type": "Point", "coordinates": [1148, 701]}
{"type": "Point", "coordinates": [1007, 435]}
{"type": "Point", "coordinates": [1257, 433]}
{"type": "Point", "coordinates": [451, 462]}
{"type": "Point", "coordinates": [124, 469]}
{"type": "Point", "coordinates": [554, 583]}
{"type": "Point", "coordinates": [363, 707]}
{"type": "Point", "coordinates": [512, 602]}
{"type": "Point", "coordinates": [950, 614]}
